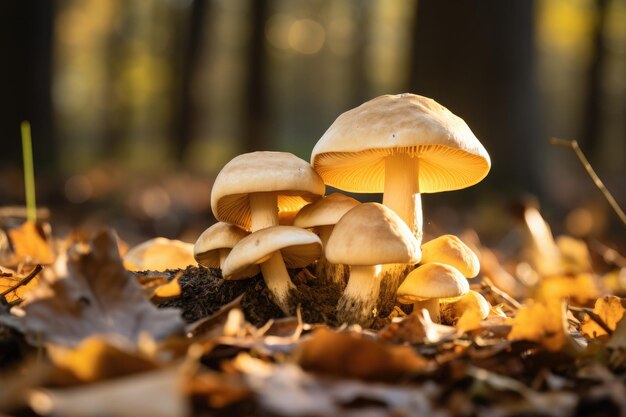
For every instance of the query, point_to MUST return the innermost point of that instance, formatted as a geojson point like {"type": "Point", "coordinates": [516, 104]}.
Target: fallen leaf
{"type": "Point", "coordinates": [96, 359]}
{"type": "Point", "coordinates": [96, 297]}
{"type": "Point", "coordinates": [29, 246]}
{"type": "Point", "coordinates": [417, 328]}
{"type": "Point", "coordinates": [156, 394]}
{"type": "Point", "coordinates": [469, 320]}
{"type": "Point", "coordinates": [581, 288]}
{"type": "Point", "coordinates": [350, 355]}
{"type": "Point", "coordinates": [14, 287]}
{"type": "Point", "coordinates": [159, 254]}
{"type": "Point", "coordinates": [610, 310]}
{"type": "Point", "coordinates": [543, 323]}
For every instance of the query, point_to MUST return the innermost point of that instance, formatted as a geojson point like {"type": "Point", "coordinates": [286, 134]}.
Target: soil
{"type": "Point", "coordinates": [204, 291]}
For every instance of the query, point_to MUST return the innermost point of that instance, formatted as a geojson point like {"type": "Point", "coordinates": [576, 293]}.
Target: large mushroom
{"type": "Point", "coordinates": [272, 248]}
{"type": "Point", "coordinates": [401, 145]}
{"type": "Point", "coordinates": [366, 237]}
{"type": "Point", "coordinates": [322, 217]}
{"type": "Point", "coordinates": [253, 188]}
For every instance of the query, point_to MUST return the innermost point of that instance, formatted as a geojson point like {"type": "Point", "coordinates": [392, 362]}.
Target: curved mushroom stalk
{"type": "Point", "coordinates": [357, 305]}
{"type": "Point", "coordinates": [278, 281]}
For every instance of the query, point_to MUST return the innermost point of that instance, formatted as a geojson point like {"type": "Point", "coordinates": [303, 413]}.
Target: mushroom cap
{"type": "Point", "coordinates": [449, 249]}
{"type": "Point", "coordinates": [473, 300]}
{"type": "Point", "coordinates": [372, 234]}
{"type": "Point", "coordinates": [159, 254]}
{"type": "Point", "coordinates": [298, 247]}
{"type": "Point", "coordinates": [325, 211]}
{"type": "Point", "coordinates": [350, 155]}
{"type": "Point", "coordinates": [292, 179]}
{"type": "Point", "coordinates": [432, 280]}
{"type": "Point", "coordinates": [219, 236]}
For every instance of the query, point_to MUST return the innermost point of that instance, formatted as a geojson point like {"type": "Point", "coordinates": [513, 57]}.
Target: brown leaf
{"type": "Point", "coordinates": [98, 296]}
{"type": "Point", "coordinates": [417, 328]}
{"type": "Point", "coordinates": [610, 310]}
{"type": "Point", "coordinates": [351, 355]}
{"type": "Point", "coordinates": [29, 246]}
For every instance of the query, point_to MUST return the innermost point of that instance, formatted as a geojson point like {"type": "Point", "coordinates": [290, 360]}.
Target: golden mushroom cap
{"type": "Point", "coordinates": [433, 280]}
{"type": "Point", "coordinates": [473, 300]}
{"type": "Point", "coordinates": [298, 247]}
{"type": "Point", "coordinates": [325, 211]}
{"type": "Point", "coordinates": [449, 249]}
{"type": "Point", "coordinates": [159, 254]}
{"type": "Point", "coordinates": [293, 180]}
{"type": "Point", "coordinates": [372, 234]}
{"type": "Point", "coordinates": [350, 155]}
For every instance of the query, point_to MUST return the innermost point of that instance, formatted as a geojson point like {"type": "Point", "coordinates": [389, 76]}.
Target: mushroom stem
{"type": "Point", "coordinates": [263, 210]}
{"type": "Point", "coordinates": [358, 302]}
{"type": "Point", "coordinates": [402, 190]}
{"type": "Point", "coordinates": [334, 273]}
{"type": "Point", "coordinates": [278, 280]}
{"type": "Point", "coordinates": [432, 305]}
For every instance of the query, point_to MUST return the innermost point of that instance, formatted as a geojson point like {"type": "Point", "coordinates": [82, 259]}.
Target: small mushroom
{"type": "Point", "coordinates": [159, 254]}
{"type": "Point", "coordinates": [366, 237]}
{"type": "Point", "coordinates": [430, 284]}
{"type": "Point", "coordinates": [472, 301]}
{"type": "Point", "coordinates": [322, 216]}
{"type": "Point", "coordinates": [272, 248]}
{"type": "Point", "coordinates": [214, 245]}
{"type": "Point", "coordinates": [449, 249]}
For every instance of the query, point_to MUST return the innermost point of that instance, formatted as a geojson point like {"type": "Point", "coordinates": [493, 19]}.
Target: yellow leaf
{"type": "Point", "coordinates": [28, 245]}
{"type": "Point", "coordinates": [469, 320]}
{"type": "Point", "coordinates": [542, 323]}
{"type": "Point", "coordinates": [610, 310]}
{"type": "Point", "coordinates": [581, 288]}
{"type": "Point", "coordinates": [159, 254]}
{"type": "Point", "coordinates": [168, 290]}
{"type": "Point", "coordinates": [14, 287]}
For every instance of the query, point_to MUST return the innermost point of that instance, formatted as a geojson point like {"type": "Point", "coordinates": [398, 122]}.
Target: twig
{"type": "Point", "coordinates": [24, 280]}
{"type": "Point", "coordinates": [506, 297]}
{"type": "Point", "coordinates": [610, 256]}
{"type": "Point", "coordinates": [29, 172]}
{"type": "Point", "coordinates": [593, 316]}
{"type": "Point", "coordinates": [572, 144]}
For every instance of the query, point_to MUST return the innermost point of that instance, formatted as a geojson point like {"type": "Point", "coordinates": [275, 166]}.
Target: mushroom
{"type": "Point", "coordinates": [253, 188]}
{"type": "Point", "coordinates": [159, 254]}
{"type": "Point", "coordinates": [449, 249]}
{"type": "Point", "coordinates": [430, 284]}
{"type": "Point", "coordinates": [401, 145]}
{"type": "Point", "coordinates": [272, 248]}
{"type": "Point", "coordinates": [366, 237]}
{"type": "Point", "coordinates": [323, 215]}
{"type": "Point", "coordinates": [472, 301]}
{"type": "Point", "coordinates": [214, 245]}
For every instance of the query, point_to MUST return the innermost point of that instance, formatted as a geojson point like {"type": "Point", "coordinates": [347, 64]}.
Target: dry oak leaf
{"type": "Point", "coordinates": [351, 355]}
{"type": "Point", "coordinates": [96, 297]}
{"type": "Point", "coordinates": [542, 323]}
{"type": "Point", "coordinates": [610, 310]}
{"type": "Point", "coordinates": [29, 246]}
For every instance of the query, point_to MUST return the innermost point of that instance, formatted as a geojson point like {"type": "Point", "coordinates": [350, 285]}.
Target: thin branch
{"type": "Point", "coordinates": [572, 144]}
{"type": "Point", "coordinates": [24, 280]}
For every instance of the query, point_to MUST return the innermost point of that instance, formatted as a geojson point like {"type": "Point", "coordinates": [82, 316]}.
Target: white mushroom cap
{"type": "Point", "coordinates": [351, 154]}
{"type": "Point", "coordinates": [325, 212]}
{"type": "Point", "coordinates": [293, 180]}
{"type": "Point", "coordinates": [159, 254]}
{"type": "Point", "coordinates": [219, 236]}
{"type": "Point", "coordinates": [433, 280]}
{"type": "Point", "coordinates": [298, 247]}
{"type": "Point", "coordinates": [449, 249]}
{"type": "Point", "coordinates": [372, 234]}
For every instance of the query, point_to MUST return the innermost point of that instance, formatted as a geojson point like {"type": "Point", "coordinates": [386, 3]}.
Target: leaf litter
{"type": "Point", "coordinates": [87, 337]}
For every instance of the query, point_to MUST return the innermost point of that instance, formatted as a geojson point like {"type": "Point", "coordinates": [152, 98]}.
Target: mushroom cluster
{"type": "Point", "coordinates": [274, 213]}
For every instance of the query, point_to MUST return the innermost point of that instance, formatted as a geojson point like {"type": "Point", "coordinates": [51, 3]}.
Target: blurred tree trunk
{"type": "Point", "coordinates": [26, 72]}
{"type": "Point", "coordinates": [360, 82]}
{"type": "Point", "coordinates": [592, 128]}
{"type": "Point", "coordinates": [476, 57]}
{"type": "Point", "coordinates": [256, 116]}
{"type": "Point", "coordinates": [185, 113]}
